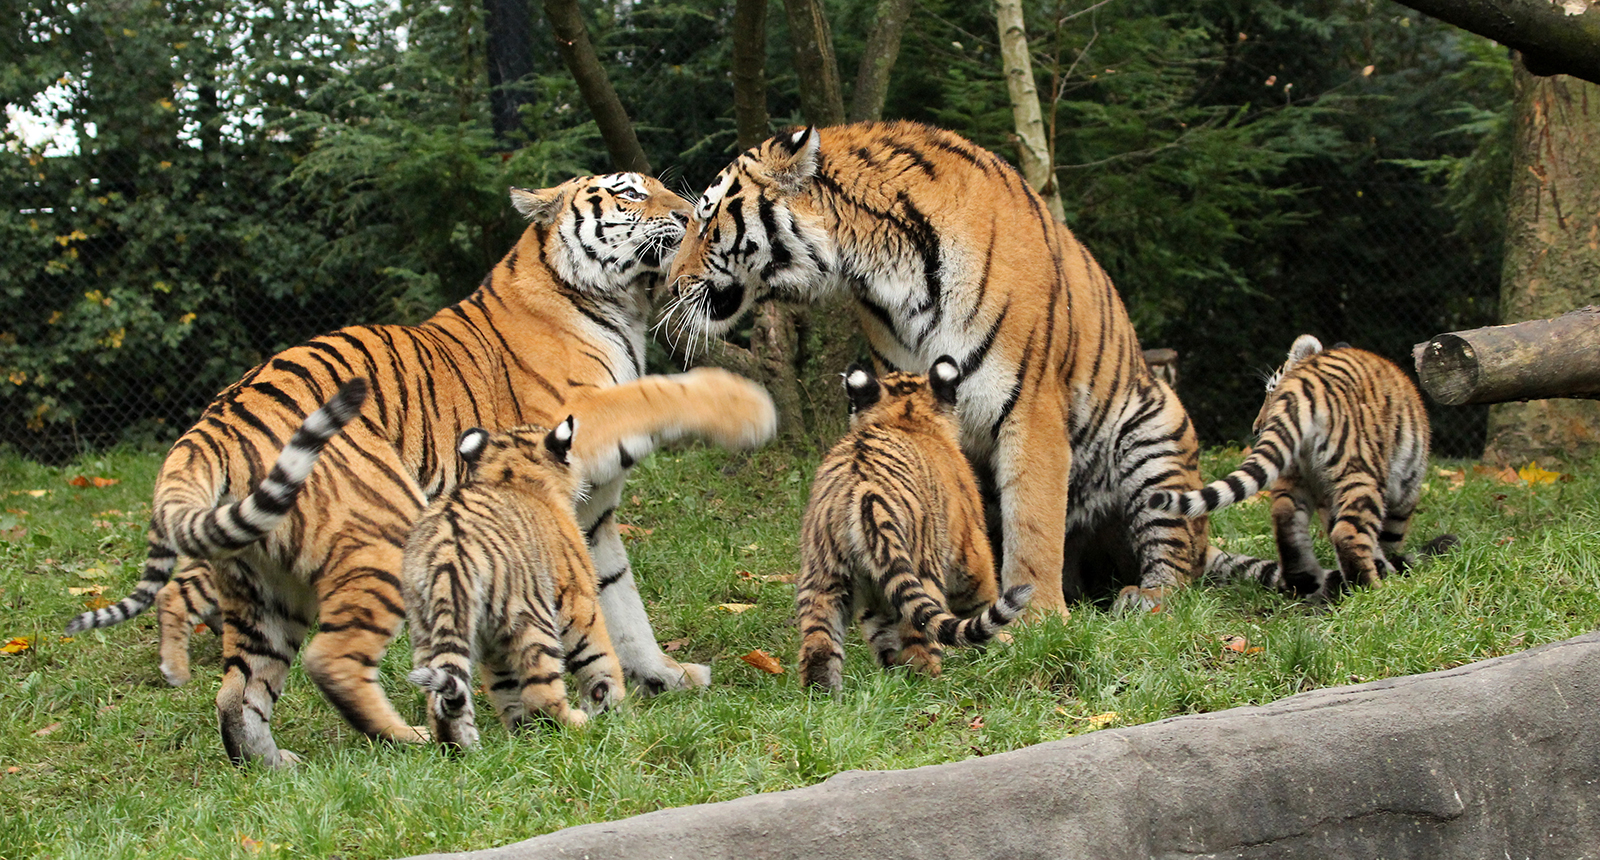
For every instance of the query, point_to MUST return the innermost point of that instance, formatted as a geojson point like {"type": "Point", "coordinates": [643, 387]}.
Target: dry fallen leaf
{"type": "Point", "coordinates": [13, 769]}
{"type": "Point", "coordinates": [674, 644]}
{"type": "Point", "coordinates": [744, 574]}
{"type": "Point", "coordinates": [85, 481]}
{"type": "Point", "coordinates": [251, 845]}
{"type": "Point", "coordinates": [735, 608]}
{"type": "Point", "coordinates": [1101, 720]}
{"type": "Point", "coordinates": [96, 602]}
{"type": "Point", "coordinates": [1236, 644]}
{"type": "Point", "coordinates": [1456, 477]}
{"type": "Point", "coordinates": [92, 573]}
{"type": "Point", "coordinates": [1535, 475]}
{"type": "Point", "coordinates": [16, 645]}
{"type": "Point", "coordinates": [87, 589]}
{"type": "Point", "coordinates": [977, 723]}
{"type": "Point", "coordinates": [632, 531]}
{"type": "Point", "coordinates": [777, 577]}
{"type": "Point", "coordinates": [1504, 474]}
{"type": "Point", "coordinates": [763, 661]}
{"type": "Point", "coordinates": [47, 730]}
{"type": "Point", "coordinates": [1502, 541]}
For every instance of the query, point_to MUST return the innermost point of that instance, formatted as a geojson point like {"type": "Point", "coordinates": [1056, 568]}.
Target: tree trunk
{"type": "Point", "coordinates": [509, 49]}
{"type": "Point", "coordinates": [1034, 150]}
{"type": "Point", "coordinates": [572, 41]}
{"type": "Point", "coordinates": [877, 60]}
{"type": "Point", "coordinates": [750, 72]}
{"type": "Point", "coordinates": [1552, 250]}
{"type": "Point", "coordinates": [1554, 36]}
{"type": "Point", "coordinates": [1523, 361]}
{"type": "Point", "coordinates": [821, 97]}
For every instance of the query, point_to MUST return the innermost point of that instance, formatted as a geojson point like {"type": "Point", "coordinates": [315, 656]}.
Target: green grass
{"type": "Point", "coordinates": [99, 758]}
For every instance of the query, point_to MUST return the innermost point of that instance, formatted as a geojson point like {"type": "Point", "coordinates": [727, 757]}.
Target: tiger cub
{"type": "Point", "coordinates": [497, 571]}
{"type": "Point", "coordinates": [1343, 432]}
{"type": "Point", "coordinates": [894, 533]}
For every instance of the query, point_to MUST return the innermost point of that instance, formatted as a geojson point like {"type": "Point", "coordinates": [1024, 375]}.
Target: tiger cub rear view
{"type": "Point", "coordinates": [894, 533]}
{"type": "Point", "coordinates": [1343, 433]}
{"type": "Point", "coordinates": [498, 572]}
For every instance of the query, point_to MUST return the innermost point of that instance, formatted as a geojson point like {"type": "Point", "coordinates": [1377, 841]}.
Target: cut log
{"type": "Point", "coordinates": [1522, 361]}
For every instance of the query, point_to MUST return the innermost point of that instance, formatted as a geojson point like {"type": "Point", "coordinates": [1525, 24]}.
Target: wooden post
{"type": "Point", "coordinates": [1523, 361]}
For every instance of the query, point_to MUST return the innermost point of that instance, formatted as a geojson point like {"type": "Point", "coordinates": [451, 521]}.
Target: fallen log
{"type": "Point", "coordinates": [1522, 361]}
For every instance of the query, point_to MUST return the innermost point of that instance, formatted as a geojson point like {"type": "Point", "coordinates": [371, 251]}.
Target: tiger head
{"type": "Point", "coordinates": [602, 230]}
{"type": "Point", "coordinates": [906, 396]}
{"type": "Point", "coordinates": [521, 457]}
{"type": "Point", "coordinates": [755, 234]}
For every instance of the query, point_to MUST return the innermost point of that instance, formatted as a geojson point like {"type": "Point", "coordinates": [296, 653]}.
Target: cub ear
{"type": "Point", "coordinates": [792, 161]}
{"type": "Point", "coordinates": [471, 444]}
{"type": "Point", "coordinates": [559, 441]}
{"type": "Point", "coordinates": [945, 378]}
{"type": "Point", "coordinates": [1304, 345]}
{"type": "Point", "coordinates": [540, 207]}
{"type": "Point", "coordinates": [861, 386]}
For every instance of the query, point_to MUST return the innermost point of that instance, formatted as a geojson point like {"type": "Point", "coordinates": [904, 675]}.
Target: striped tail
{"type": "Point", "coordinates": [1255, 474]}
{"type": "Point", "coordinates": [980, 628]}
{"type": "Point", "coordinates": [219, 531]}
{"type": "Point", "coordinates": [450, 691]}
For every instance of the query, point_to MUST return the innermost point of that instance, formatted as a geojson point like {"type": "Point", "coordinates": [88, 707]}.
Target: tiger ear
{"type": "Point", "coordinates": [861, 386]}
{"type": "Point", "coordinates": [1305, 345]}
{"type": "Point", "coordinates": [559, 441]}
{"type": "Point", "coordinates": [472, 443]}
{"type": "Point", "coordinates": [540, 206]}
{"type": "Point", "coordinates": [945, 377]}
{"type": "Point", "coordinates": [793, 161]}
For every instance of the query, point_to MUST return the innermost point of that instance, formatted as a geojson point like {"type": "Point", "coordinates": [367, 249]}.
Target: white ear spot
{"type": "Point", "coordinates": [946, 371]}
{"type": "Point", "coordinates": [472, 442]}
{"type": "Point", "coordinates": [564, 430]}
{"type": "Point", "coordinates": [857, 379]}
{"type": "Point", "coordinates": [798, 136]}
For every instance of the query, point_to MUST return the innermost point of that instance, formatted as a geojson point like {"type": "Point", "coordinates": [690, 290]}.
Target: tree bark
{"type": "Point", "coordinates": [1525, 361]}
{"type": "Point", "coordinates": [1552, 259]}
{"type": "Point", "coordinates": [1554, 36]}
{"type": "Point", "coordinates": [877, 61]}
{"type": "Point", "coordinates": [509, 49]}
{"type": "Point", "coordinates": [821, 96]}
{"type": "Point", "coordinates": [572, 41]}
{"type": "Point", "coordinates": [750, 72]}
{"type": "Point", "coordinates": [1034, 150]}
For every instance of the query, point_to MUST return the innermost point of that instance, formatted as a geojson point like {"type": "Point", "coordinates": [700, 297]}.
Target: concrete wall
{"type": "Point", "coordinates": [1498, 759]}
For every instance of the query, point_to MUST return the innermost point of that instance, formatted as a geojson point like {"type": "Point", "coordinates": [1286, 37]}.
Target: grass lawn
{"type": "Point", "coordinates": [99, 758]}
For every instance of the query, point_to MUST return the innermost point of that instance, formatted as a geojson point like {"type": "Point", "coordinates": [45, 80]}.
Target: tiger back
{"type": "Point", "coordinates": [894, 533]}
{"type": "Point", "coordinates": [1343, 434]}
{"type": "Point", "coordinates": [944, 249]}
{"type": "Point", "coordinates": [562, 315]}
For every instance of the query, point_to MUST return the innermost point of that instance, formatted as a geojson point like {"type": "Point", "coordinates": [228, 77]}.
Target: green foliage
{"type": "Point", "coordinates": [103, 760]}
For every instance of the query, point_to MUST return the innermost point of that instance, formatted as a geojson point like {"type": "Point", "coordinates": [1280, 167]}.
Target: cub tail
{"type": "Point", "coordinates": [980, 628]}
{"type": "Point", "coordinates": [450, 691]}
{"type": "Point", "coordinates": [218, 531]}
{"type": "Point", "coordinates": [1266, 460]}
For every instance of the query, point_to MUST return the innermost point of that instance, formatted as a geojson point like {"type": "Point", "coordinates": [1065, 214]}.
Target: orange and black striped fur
{"type": "Point", "coordinates": [894, 533]}
{"type": "Point", "coordinates": [564, 313]}
{"type": "Point", "coordinates": [945, 250]}
{"type": "Point", "coordinates": [497, 571]}
{"type": "Point", "coordinates": [1343, 433]}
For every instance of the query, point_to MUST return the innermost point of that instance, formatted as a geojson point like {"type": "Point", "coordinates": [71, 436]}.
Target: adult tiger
{"type": "Point", "coordinates": [564, 312]}
{"type": "Point", "coordinates": [947, 251]}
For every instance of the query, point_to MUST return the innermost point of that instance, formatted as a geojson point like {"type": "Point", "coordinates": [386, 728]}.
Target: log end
{"type": "Point", "coordinates": [1447, 367]}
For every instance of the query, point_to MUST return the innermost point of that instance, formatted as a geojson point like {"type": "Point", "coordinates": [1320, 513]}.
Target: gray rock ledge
{"type": "Point", "coordinates": [1497, 759]}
